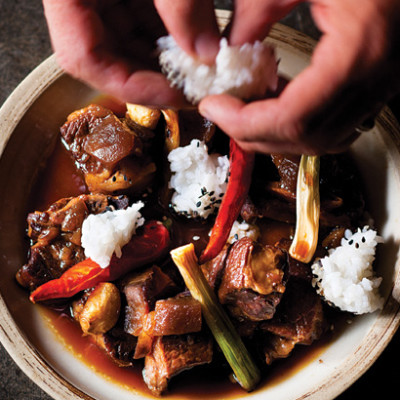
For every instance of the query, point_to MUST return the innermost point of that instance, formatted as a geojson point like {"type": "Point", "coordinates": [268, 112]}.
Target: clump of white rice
{"type": "Point", "coordinates": [241, 229]}
{"type": "Point", "coordinates": [345, 277]}
{"type": "Point", "coordinates": [106, 233]}
{"type": "Point", "coordinates": [243, 71]}
{"type": "Point", "coordinates": [199, 179]}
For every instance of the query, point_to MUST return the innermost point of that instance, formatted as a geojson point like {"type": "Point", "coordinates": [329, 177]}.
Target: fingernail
{"type": "Point", "coordinates": [206, 47]}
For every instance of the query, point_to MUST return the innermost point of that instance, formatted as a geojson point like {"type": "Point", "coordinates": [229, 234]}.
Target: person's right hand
{"type": "Point", "coordinates": [354, 70]}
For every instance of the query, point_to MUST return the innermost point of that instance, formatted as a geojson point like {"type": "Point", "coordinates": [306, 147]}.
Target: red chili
{"type": "Point", "coordinates": [142, 249]}
{"type": "Point", "coordinates": [240, 170]}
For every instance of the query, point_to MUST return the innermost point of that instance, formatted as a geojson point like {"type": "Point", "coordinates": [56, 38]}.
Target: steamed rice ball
{"type": "Point", "coordinates": [199, 179]}
{"type": "Point", "coordinates": [345, 277]}
{"type": "Point", "coordinates": [106, 233]}
{"type": "Point", "coordinates": [246, 71]}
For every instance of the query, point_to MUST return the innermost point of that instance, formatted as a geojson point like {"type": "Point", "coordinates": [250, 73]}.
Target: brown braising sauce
{"type": "Point", "coordinates": [60, 179]}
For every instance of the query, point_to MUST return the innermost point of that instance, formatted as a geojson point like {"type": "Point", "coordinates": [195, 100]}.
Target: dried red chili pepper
{"type": "Point", "coordinates": [240, 170]}
{"type": "Point", "coordinates": [142, 249]}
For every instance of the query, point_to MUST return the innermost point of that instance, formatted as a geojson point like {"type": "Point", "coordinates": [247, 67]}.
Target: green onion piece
{"type": "Point", "coordinates": [307, 210]}
{"type": "Point", "coordinates": [244, 368]}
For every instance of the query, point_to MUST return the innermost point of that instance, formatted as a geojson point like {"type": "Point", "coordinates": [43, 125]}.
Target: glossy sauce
{"type": "Point", "coordinates": [60, 179]}
{"type": "Point", "coordinates": [209, 382]}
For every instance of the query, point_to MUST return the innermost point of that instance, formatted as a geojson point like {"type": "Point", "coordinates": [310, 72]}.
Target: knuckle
{"type": "Point", "coordinates": [293, 129]}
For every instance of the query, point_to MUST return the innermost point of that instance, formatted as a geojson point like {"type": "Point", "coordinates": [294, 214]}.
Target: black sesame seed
{"type": "Point", "coordinates": [363, 239]}
{"type": "Point", "coordinates": [351, 242]}
{"type": "Point", "coordinates": [198, 204]}
{"type": "Point", "coordinates": [114, 178]}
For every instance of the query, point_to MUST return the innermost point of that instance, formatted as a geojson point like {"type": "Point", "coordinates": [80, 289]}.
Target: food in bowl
{"type": "Point", "coordinates": [131, 301]}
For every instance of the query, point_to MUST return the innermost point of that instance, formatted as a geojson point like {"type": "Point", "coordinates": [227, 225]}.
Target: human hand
{"type": "Point", "coordinates": [110, 45]}
{"type": "Point", "coordinates": [353, 72]}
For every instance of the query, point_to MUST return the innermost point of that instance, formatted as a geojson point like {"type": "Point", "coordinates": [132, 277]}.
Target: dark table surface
{"type": "Point", "coordinates": [24, 43]}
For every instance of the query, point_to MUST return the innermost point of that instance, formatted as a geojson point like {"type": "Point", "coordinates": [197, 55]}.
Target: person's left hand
{"type": "Point", "coordinates": [110, 45]}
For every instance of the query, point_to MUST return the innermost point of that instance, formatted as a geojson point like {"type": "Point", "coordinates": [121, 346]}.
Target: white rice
{"type": "Point", "coordinates": [243, 71]}
{"type": "Point", "coordinates": [105, 234]}
{"type": "Point", "coordinates": [243, 229]}
{"type": "Point", "coordinates": [345, 277]}
{"type": "Point", "coordinates": [199, 179]}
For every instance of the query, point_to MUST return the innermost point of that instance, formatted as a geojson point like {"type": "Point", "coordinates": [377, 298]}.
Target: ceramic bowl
{"type": "Point", "coordinates": [29, 122]}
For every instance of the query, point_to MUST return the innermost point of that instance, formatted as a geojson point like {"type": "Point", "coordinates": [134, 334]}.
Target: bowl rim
{"type": "Point", "coordinates": [12, 338]}
{"type": "Point", "coordinates": [29, 359]}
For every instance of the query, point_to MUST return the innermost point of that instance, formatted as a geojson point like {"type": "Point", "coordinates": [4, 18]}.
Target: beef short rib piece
{"type": "Point", "coordinates": [56, 236]}
{"type": "Point", "coordinates": [253, 280]}
{"type": "Point", "coordinates": [299, 319]}
{"type": "Point", "coordinates": [273, 195]}
{"type": "Point", "coordinates": [107, 150]}
{"type": "Point", "coordinates": [214, 268]}
{"type": "Point", "coordinates": [142, 289]}
{"type": "Point", "coordinates": [173, 354]}
{"type": "Point", "coordinates": [177, 315]}
{"type": "Point", "coordinates": [276, 347]}
{"type": "Point", "coordinates": [117, 344]}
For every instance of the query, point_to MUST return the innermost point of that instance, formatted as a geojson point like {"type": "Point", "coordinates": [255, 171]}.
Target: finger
{"type": "Point", "coordinates": [133, 85]}
{"type": "Point", "coordinates": [246, 124]}
{"type": "Point", "coordinates": [93, 63]}
{"type": "Point", "coordinates": [305, 99]}
{"type": "Point", "coordinates": [269, 147]}
{"type": "Point", "coordinates": [193, 25]}
{"type": "Point", "coordinates": [252, 19]}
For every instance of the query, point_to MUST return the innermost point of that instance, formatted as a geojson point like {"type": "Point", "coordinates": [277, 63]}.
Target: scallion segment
{"type": "Point", "coordinates": [307, 210]}
{"type": "Point", "coordinates": [244, 368]}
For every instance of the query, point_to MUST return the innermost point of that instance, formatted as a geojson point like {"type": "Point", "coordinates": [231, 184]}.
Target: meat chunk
{"type": "Point", "coordinates": [276, 347]}
{"type": "Point", "coordinates": [287, 167]}
{"type": "Point", "coordinates": [117, 344]}
{"type": "Point", "coordinates": [184, 125]}
{"type": "Point", "coordinates": [106, 150]}
{"type": "Point", "coordinates": [142, 291]}
{"type": "Point", "coordinates": [56, 236]}
{"type": "Point", "coordinates": [268, 207]}
{"type": "Point", "coordinates": [214, 268]}
{"type": "Point", "coordinates": [295, 268]}
{"type": "Point", "coordinates": [173, 354]}
{"type": "Point", "coordinates": [177, 315]}
{"type": "Point", "coordinates": [273, 195]}
{"type": "Point", "coordinates": [298, 320]}
{"type": "Point", "coordinates": [253, 280]}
